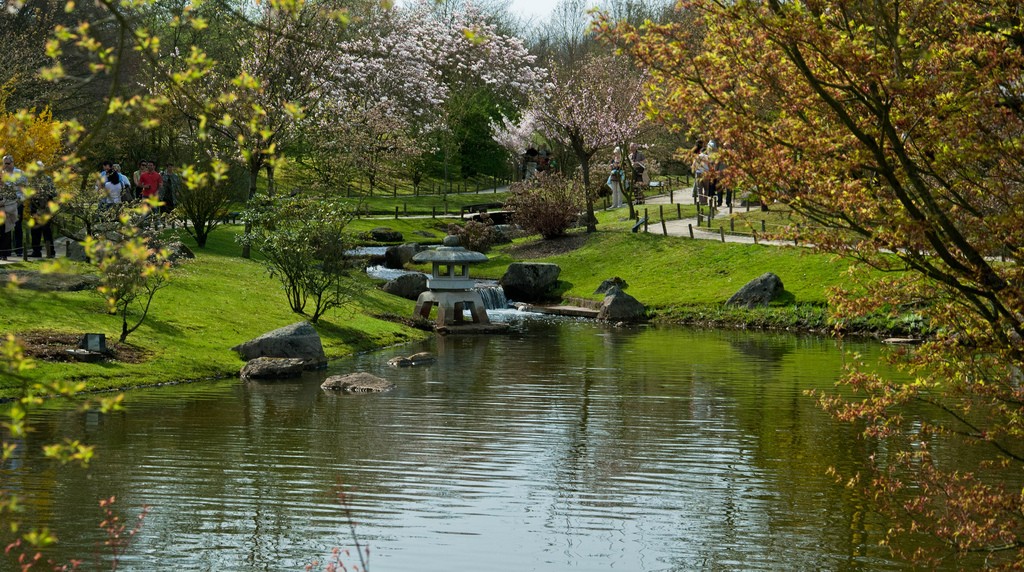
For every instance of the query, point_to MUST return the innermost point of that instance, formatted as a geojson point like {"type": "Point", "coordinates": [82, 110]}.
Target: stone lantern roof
{"type": "Point", "coordinates": [449, 253]}
{"type": "Point", "coordinates": [450, 265]}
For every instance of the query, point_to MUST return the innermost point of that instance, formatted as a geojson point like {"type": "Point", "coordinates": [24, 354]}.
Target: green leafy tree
{"type": "Point", "coordinates": [249, 108]}
{"type": "Point", "coordinates": [304, 245]}
{"type": "Point", "coordinates": [203, 201]}
{"type": "Point", "coordinates": [898, 129]}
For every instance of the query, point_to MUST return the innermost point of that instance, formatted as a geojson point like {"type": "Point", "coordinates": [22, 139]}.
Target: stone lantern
{"type": "Point", "coordinates": [449, 285]}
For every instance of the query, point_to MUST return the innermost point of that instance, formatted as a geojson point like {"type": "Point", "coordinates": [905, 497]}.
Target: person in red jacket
{"type": "Point", "coordinates": [150, 181]}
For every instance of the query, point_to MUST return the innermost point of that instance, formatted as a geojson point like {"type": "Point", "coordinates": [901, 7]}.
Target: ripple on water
{"type": "Point", "coordinates": [563, 446]}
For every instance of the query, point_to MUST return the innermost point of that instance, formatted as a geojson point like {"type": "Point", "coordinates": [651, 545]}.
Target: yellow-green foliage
{"type": "Point", "coordinates": [28, 135]}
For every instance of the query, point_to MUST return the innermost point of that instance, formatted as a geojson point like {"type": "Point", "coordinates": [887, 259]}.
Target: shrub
{"type": "Point", "coordinates": [130, 266]}
{"type": "Point", "coordinates": [548, 205]}
{"type": "Point", "coordinates": [304, 245]}
{"type": "Point", "coordinates": [475, 235]}
{"type": "Point", "coordinates": [202, 200]}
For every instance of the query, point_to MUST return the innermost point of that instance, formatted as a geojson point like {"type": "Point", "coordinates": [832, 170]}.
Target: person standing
{"type": "Point", "coordinates": [543, 161]}
{"type": "Point", "coordinates": [13, 202]}
{"type": "Point", "coordinates": [137, 178]}
{"type": "Point", "coordinates": [115, 189]}
{"type": "Point", "coordinates": [714, 195]}
{"type": "Point", "coordinates": [530, 164]}
{"type": "Point", "coordinates": [39, 206]}
{"type": "Point", "coordinates": [171, 188]}
{"type": "Point", "coordinates": [638, 164]}
{"type": "Point", "coordinates": [615, 179]}
{"type": "Point", "coordinates": [101, 176]}
{"type": "Point", "coordinates": [700, 167]}
{"type": "Point", "coordinates": [149, 181]}
{"type": "Point", "coordinates": [126, 184]}
{"type": "Point", "coordinates": [9, 205]}
{"type": "Point", "coordinates": [722, 190]}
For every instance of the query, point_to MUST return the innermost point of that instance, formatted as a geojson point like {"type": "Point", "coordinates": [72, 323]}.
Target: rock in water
{"type": "Point", "coordinates": [359, 382]}
{"type": "Point", "coordinates": [271, 367]}
{"type": "Point", "coordinates": [298, 340]}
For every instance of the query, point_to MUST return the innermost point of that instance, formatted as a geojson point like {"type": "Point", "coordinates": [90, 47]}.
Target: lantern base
{"type": "Point", "coordinates": [450, 306]}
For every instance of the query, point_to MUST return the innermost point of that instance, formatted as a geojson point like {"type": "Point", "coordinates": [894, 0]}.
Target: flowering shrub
{"type": "Point", "coordinates": [548, 205]}
{"type": "Point", "coordinates": [475, 235]}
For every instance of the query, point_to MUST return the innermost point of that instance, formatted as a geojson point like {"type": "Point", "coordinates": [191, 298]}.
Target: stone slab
{"type": "Point", "coordinates": [560, 310]}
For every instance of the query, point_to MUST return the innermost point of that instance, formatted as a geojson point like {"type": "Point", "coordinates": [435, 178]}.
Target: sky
{"type": "Point", "coordinates": [539, 10]}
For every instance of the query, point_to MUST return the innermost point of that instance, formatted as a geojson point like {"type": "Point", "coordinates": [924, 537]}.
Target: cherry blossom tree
{"type": "Point", "coordinates": [897, 128]}
{"type": "Point", "coordinates": [346, 143]}
{"type": "Point", "coordinates": [590, 108]}
{"type": "Point", "coordinates": [515, 136]}
{"type": "Point", "coordinates": [425, 67]}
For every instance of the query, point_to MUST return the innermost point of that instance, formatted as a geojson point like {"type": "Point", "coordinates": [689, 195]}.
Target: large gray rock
{"type": "Point", "coordinates": [618, 306]}
{"type": "Point", "coordinates": [385, 234]}
{"type": "Point", "coordinates": [530, 281]}
{"type": "Point", "coordinates": [758, 292]}
{"type": "Point", "coordinates": [397, 257]}
{"type": "Point", "coordinates": [51, 281]}
{"type": "Point", "coordinates": [298, 340]}
{"type": "Point", "coordinates": [610, 283]}
{"type": "Point", "coordinates": [272, 367]}
{"type": "Point", "coordinates": [408, 286]}
{"type": "Point", "coordinates": [76, 252]}
{"type": "Point", "coordinates": [359, 382]}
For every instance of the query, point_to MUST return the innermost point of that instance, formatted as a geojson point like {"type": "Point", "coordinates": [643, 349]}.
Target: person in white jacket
{"type": "Point", "coordinates": [615, 179]}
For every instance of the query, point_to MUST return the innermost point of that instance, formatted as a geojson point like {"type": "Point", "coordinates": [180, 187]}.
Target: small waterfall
{"type": "Point", "coordinates": [493, 296]}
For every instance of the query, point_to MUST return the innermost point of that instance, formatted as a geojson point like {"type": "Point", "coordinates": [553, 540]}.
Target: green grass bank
{"type": "Point", "coordinates": [220, 299]}
{"type": "Point", "coordinates": [211, 304]}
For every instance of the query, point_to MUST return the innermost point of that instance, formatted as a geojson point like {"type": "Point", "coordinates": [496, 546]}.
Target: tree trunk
{"type": "Point", "coordinates": [254, 173]}
{"type": "Point", "coordinates": [201, 235]}
{"type": "Point", "coordinates": [584, 158]}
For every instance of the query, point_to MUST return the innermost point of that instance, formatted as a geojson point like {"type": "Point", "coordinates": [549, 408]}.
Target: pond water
{"type": "Point", "coordinates": [564, 445]}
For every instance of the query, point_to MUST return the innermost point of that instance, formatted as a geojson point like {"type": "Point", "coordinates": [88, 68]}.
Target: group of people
{"type": "Point", "coordinates": [707, 167]}
{"type": "Point", "coordinates": [629, 173]}
{"type": "Point", "coordinates": [637, 180]}
{"type": "Point", "coordinates": [12, 201]}
{"type": "Point", "coordinates": [536, 162]}
{"type": "Point", "coordinates": [115, 187]}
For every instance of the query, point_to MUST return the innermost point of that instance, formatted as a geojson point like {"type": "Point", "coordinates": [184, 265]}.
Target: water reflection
{"type": "Point", "coordinates": [561, 446]}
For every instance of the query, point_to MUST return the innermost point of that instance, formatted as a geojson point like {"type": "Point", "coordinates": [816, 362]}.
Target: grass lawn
{"type": "Point", "coordinates": [666, 271]}
{"type": "Point", "coordinates": [219, 299]}
{"type": "Point", "coordinates": [212, 303]}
